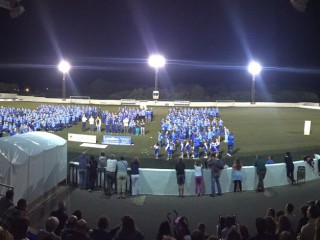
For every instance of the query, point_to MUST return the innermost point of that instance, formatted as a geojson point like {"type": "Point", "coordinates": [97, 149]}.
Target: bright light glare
{"type": "Point", "coordinates": [64, 66]}
{"type": "Point", "coordinates": [254, 68]}
{"type": "Point", "coordinates": [156, 61]}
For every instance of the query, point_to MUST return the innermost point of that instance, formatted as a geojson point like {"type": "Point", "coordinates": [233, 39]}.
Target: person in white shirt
{"type": "Point", "coordinates": [91, 123]}
{"type": "Point", "coordinates": [111, 173]}
{"type": "Point", "coordinates": [84, 122]}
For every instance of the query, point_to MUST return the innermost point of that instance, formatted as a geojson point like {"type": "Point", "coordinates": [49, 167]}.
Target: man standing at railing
{"type": "Point", "coordinates": [261, 172]}
{"type": "Point", "coordinates": [83, 161]}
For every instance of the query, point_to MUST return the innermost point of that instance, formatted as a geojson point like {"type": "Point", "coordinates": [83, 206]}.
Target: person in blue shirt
{"type": "Point", "coordinates": [196, 146]}
{"type": "Point", "coordinates": [230, 144]}
{"type": "Point", "coordinates": [270, 160]}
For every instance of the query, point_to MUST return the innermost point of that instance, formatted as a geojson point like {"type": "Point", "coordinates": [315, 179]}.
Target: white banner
{"type": "Point", "coordinates": [82, 138]}
{"type": "Point", "coordinates": [307, 127]}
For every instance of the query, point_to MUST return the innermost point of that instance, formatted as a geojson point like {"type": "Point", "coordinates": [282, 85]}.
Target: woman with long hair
{"type": "Point", "coordinates": [237, 175]}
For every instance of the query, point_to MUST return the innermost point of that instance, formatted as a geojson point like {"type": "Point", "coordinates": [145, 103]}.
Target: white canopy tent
{"type": "Point", "coordinates": [33, 163]}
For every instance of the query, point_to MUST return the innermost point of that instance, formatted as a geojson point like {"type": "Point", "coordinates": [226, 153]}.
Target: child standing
{"type": "Point", "coordinates": [156, 150]}
{"type": "Point", "coordinates": [198, 176]}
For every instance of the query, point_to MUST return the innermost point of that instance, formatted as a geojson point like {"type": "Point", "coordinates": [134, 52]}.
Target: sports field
{"type": "Point", "coordinates": [262, 131]}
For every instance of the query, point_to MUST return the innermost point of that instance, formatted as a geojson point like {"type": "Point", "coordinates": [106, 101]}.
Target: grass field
{"type": "Point", "coordinates": [262, 131]}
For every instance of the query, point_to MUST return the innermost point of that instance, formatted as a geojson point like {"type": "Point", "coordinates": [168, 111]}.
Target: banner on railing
{"type": "Point", "coordinates": [116, 140]}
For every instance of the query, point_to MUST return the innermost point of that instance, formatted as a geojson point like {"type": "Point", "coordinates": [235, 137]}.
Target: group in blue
{"type": "Point", "coordinates": [136, 118]}
{"type": "Point", "coordinates": [54, 118]}
{"type": "Point", "coordinates": [194, 129]}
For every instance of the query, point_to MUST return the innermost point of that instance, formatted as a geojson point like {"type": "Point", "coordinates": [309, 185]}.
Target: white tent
{"type": "Point", "coordinates": [33, 163]}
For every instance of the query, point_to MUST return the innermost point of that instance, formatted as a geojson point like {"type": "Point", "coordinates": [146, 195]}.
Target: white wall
{"type": "Point", "coordinates": [163, 181]}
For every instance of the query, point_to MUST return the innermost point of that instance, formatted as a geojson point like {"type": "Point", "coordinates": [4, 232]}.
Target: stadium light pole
{"type": "Point", "coordinates": [254, 68]}
{"type": "Point", "coordinates": [64, 67]}
{"type": "Point", "coordinates": [156, 61]}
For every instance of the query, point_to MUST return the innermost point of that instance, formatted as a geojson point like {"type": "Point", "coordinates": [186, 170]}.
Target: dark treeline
{"type": "Point", "coordinates": [100, 89]}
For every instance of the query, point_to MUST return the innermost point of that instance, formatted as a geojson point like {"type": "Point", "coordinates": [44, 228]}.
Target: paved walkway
{"type": "Point", "coordinates": [149, 211]}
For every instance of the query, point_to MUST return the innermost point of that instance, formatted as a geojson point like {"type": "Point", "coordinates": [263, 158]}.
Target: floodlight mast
{"type": "Point", "coordinates": [64, 67]}
{"type": "Point", "coordinates": [254, 68]}
{"type": "Point", "coordinates": [156, 61]}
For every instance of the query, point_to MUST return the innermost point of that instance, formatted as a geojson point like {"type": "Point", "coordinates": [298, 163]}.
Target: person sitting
{"type": "Point", "coordinates": [228, 227]}
{"type": "Point", "coordinates": [128, 230]}
{"type": "Point", "coordinates": [51, 225]}
{"type": "Point", "coordinates": [62, 216]}
{"type": "Point", "coordinates": [12, 213]}
{"type": "Point", "coordinates": [102, 233]}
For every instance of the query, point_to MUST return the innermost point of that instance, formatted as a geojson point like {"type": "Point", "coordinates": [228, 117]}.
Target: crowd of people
{"type": "Point", "coordinates": [54, 118]}
{"type": "Point", "coordinates": [275, 225]}
{"type": "Point", "coordinates": [192, 129]}
{"type": "Point", "coordinates": [115, 174]}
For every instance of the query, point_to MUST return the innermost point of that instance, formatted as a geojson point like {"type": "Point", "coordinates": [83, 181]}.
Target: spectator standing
{"type": "Point", "coordinates": [122, 173]}
{"type": "Point", "coordinates": [83, 162]}
{"type": "Point", "coordinates": [216, 167]}
{"type": "Point", "coordinates": [62, 216]}
{"type": "Point", "coordinates": [92, 171]}
{"type": "Point", "coordinates": [102, 160]}
{"type": "Point", "coordinates": [180, 172]}
{"type": "Point", "coordinates": [6, 202]}
{"type": "Point", "coordinates": [134, 176]}
{"type": "Point", "coordinates": [84, 122]}
{"type": "Point", "coordinates": [198, 176]}
{"type": "Point", "coordinates": [111, 169]}
{"type": "Point", "coordinates": [237, 175]}
{"type": "Point", "coordinates": [290, 167]}
{"type": "Point", "coordinates": [261, 172]}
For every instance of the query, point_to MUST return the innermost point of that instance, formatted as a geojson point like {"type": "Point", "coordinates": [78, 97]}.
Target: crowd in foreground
{"type": "Point", "coordinates": [275, 225]}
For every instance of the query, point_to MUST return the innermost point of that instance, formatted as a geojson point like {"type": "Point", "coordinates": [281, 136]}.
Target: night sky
{"type": "Point", "coordinates": [204, 42]}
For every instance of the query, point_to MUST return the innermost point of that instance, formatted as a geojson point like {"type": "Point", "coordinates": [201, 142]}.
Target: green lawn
{"type": "Point", "coordinates": [260, 131]}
